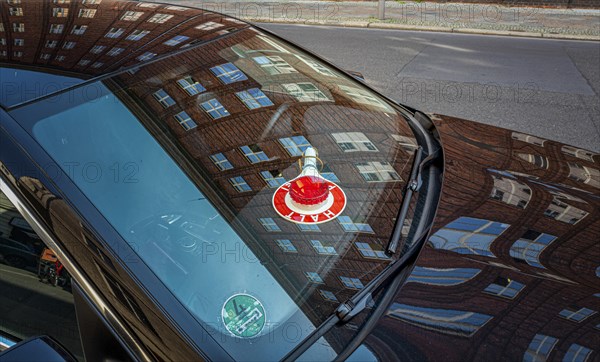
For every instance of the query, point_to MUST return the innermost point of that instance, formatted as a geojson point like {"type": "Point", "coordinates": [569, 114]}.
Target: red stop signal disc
{"type": "Point", "coordinates": [298, 213]}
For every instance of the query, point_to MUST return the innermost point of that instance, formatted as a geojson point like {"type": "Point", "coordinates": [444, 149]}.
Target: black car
{"type": "Point", "coordinates": [217, 193]}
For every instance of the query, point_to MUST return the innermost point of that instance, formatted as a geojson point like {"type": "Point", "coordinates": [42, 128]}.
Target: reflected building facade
{"type": "Point", "coordinates": [515, 232]}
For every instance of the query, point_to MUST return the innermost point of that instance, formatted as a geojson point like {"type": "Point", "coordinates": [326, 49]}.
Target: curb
{"type": "Point", "coordinates": [392, 26]}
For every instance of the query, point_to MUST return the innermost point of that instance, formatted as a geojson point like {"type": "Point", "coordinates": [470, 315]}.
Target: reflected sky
{"type": "Point", "coordinates": [19, 85]}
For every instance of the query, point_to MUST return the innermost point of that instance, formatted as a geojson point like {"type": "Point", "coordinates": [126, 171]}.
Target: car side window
{"type": "Point", "coordinates": [35, 288]}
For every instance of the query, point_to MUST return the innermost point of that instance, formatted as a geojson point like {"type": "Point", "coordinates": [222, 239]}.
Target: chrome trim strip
{"type": "Point", "coordinates": [123, 335]}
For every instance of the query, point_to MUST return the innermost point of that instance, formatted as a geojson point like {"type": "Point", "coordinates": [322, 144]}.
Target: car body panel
{"type": "Point", "coordinates": [512, 257]}
{"type": "Point", "coordinates": [479, 299]}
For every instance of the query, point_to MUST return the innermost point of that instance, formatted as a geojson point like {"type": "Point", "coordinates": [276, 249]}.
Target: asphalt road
{"type": "Point", "coordinates": [550, 88]}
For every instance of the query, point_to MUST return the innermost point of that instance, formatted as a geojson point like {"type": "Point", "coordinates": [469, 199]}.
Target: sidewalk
{"type": "Point", "coordinates": [410, 15]}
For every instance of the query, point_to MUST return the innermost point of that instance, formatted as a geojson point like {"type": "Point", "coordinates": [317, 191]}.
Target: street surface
{"type": "Point", "coordinates": [549, 88]}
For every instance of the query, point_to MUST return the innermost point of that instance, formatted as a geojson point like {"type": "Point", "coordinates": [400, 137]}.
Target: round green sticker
{"type": "Point", "coordinates": [243, 316]}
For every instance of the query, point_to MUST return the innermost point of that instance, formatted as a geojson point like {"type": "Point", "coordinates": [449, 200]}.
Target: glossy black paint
{"type": "Point", "coordinates": [564, 276]}
{"type": "Point", "coordinates": [479, 160]}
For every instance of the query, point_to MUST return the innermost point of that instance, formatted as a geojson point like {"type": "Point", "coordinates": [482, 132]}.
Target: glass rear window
{"type": "Point", "coordinates": [183, 157]}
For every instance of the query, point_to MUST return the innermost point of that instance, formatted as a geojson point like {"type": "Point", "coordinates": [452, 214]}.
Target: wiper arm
{"type": "Point", "coordinates": [347, 310]}
{"type": "Point", "coordinates": [413, 185]}
{"type": "Point", "coordinates": [358, 302]}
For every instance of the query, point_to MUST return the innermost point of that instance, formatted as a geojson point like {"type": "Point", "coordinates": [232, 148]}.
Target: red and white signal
{"type": "Point", "coordinates": [309, 198]}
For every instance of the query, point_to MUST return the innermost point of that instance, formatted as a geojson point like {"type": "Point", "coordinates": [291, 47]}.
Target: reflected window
{"type": "Point", "coordinates": [363, 96]}
{"type": "Point", "coordinates": [87, 13]}
{"type": "Point", "coordinates": [131, 15]}
{"type": "Point", "coordinates": [20, 54]}
{"type": "Point", "coordinates": [184, 119]}
{"type": "Point", "coordinates": [114, 51]}
{"type": "Point", "coordinates": [146, 56]}
{"type": "Point", "coordinates": [84, 62]}
{"type": "Point", "coordinates": [215, 109]}
{"type": "Point", "coordinates": [587, 175]}
{"type": "Point", "coordinates": [45, 56]}
{"type": "Point", "coordinates": [564, 212]}
{"type": "Point", "coordinates": [97, 49]}
{"type": "Point", "coordinates": [504, 287]}
{"type": "Point", "coordinates": [114, 33]}
{"type": "Point", "coordinates": [51, 43]}
{"type": "Point", "coordinates": [60, 58]}
{"type": "Point", "coordinates": [353, 141]}
{"type": "Point", "coordinates": [538, 160]}
{"type": "Point", "coordinates": [577, 353]}
{"type": "Point", "coordinates": [314, 277]}
{"type": "Point", "coordinates": [97, 65]}
{"type": "Point", "coordinates": [239, 184]}
{"type": "Point", "coordinates": [60, 12]}
{"type": "Point", "coordinates": [176, 8]}
{"type": "Point", "coordinates": [295, 145]}
{"type": "Point", "coordinates": [323, 249]}
{"type": "Point", "coordinates": [254, 153]}
{"type": "Point", "coordinates": [269, 224]}
{"type": "Point", "coordinates": [327, 295]}
{"type": "Point", "coordinates": [408, 144]}
{"type": "Point", "coordinates": [221, 162]}
{"type": "Point", "coordinates": [228, 73]}
{"type": "Point", "coordinates": [273, 178]}
{"type": "Point", "coordinates": [443, 277]}
{"type": "Point", "coordinates": [540, 348]}
{"type": "Point", "coordinates": [159, 18]}
{"type": "Point", "coordinates": [16, 11]}
{"type": "Point", "coordinates": [79, 29]}
{"type": "Point", "coordinates": [137, 35]}
{"type": "Point", "coordinates": [576, 314]}
{"type": "Point", "coordinates": [528, 138]}
{"type": "Point", "coordinates": [19, 27]}
{"type": "Point", "coordinates": [274, 65]}
{"type": "Point", "coordinates": [309, 228]}
{"type": "Point", "coordinates": [529, 247]}
{"type": "Point", "coordinates": [317, 67]}
{"type": "Point", "coordinates": [69, 45]}
{"type": "Point", "coordinates": [254, 98]}
{"type": "Point", "coordinates": [510, 191]}
{"type": "Point", "coordinates": [190, 86]}
{"type": "Point", "coordinates": [350, 226]}
{"type": "Point", "coordinates": [163, 98]}
{"type": "Point", "coordinates": [376, 171]}
{"type": "Point", "coordinates": [56, 28]}
{"type": "Point", "coordinates": [579, 153]}
{"type": "Point", "coordinates": [305, 92]}
{"type": "Point", "coordinates": [352, 283]}
{"type": "Point", "coordinates": [286, 245]}
{"type": "Point", "coordinates": [176, 40]}
{"type": "Point", "coordinates": [448, 321]}
{"type": "Point", "coordinates": [373, 251]}
{"type": "Point", "coordinates": [467, 235]}
{"type": "Point", "coordinates": [19, 42]}
{"type": "Point", "coordinates": [209, 25]}
{"type": "Point", "coordinates": [328, 174]}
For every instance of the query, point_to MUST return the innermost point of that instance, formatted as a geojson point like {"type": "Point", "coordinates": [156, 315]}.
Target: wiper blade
{"type": "Point", "coordinates": [414, 184]}
{"type": "Point", "coordinates": [358, 302]}
{"type": "Point", "coordinates": [347, 310]}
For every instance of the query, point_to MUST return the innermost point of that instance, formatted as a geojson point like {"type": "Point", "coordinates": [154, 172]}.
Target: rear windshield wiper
{"type": "Point", "coordinates": [359, 301]}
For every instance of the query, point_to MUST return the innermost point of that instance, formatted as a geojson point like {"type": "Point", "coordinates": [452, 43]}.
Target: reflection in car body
{"type": "Point", "coordinates": [149, 159]}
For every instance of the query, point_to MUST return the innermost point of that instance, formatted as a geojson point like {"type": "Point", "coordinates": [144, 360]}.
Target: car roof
{"type": "Point", "coordinates": [90, 45]}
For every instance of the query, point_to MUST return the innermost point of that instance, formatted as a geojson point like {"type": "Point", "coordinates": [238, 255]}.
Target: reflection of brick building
{"type": "Point", "coordinates": [511, 271]}
{"type": "Point", "coordinates": [245, 107]}
{"type": "Point", "coordinates": [91, 37]}
{"type": "Point", "coordinates": [248, 149]}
